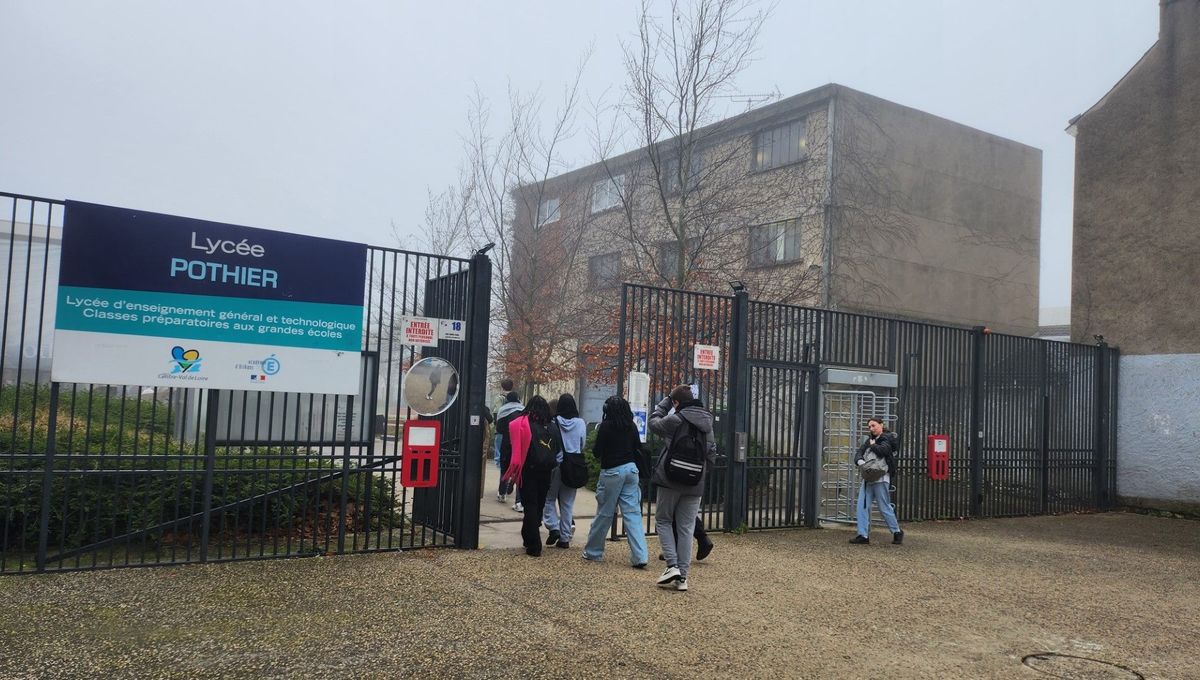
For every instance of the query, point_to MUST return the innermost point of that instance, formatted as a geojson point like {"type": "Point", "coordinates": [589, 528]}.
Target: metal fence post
{"type": "Point", "coordinates": [47, 481]}
{"type": "Point", "coordinates": [341, 541]}
{"type": "Point", "coordinates": [621, 340]}
{"type": "Point", "coordinates": [479, 308]}
{"type": "Point", "coordinates": [1100, 428]}
{"type": "Point", "coordinates": [813, 431]}
{"type": "Point", "coordinates": [739, 392]}
{"type": "Point", "coordinates": [977, 343]}
{"type": "Point", "coordinates": [210, 463]}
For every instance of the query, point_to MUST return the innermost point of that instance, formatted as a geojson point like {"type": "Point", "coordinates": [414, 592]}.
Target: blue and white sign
{"type": "Point", "coordinates": [150, 299]}
{"type": "Point", "coordinates": [639, 400]}
{"type": "Point", "coordinates": [451, 329]}
{"type": "Point", "coordinates": [639, 419]}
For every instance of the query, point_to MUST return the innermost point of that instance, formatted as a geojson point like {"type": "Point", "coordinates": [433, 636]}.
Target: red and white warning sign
{"type": "Point", "coordinates": [419, 330]}
{"type": "Point", "coordinates": [706, 357]}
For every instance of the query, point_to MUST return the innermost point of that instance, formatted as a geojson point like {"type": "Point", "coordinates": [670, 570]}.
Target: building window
{"type": "Point", "coordinates": [604, 271]}
{"type": "Point", "coordinates": [670, 178]}
{"type": "Point", "coordinates": [781, 145]}
{"type": "Point", "coordinates": [668, 255]}
{"type": "Point", "coordinates": [548, 211]}
{"type": "Point", "coordinates": [775, 243]}
{"type": "Point", "coordinates": [607, 193]}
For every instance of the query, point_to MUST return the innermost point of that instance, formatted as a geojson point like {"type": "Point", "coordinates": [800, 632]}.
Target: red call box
{"type": "Point", "coordinates": [938, 451]}
{"type": "Point", "coordinates": [419, 459]}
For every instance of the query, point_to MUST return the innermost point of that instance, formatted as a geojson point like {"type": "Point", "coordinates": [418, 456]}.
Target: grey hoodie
{"type": "Point", "coordinates": [574, 432]}
{"type": "Point", "coordinates": [665, 426]}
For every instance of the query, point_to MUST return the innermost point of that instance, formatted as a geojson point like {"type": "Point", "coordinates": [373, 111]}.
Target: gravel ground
{"type": "Point", "coordinates": [958, 600]}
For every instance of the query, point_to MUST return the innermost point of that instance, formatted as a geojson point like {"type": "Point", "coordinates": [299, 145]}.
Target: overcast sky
{"type": "Point", "coordinates": [334, 118]}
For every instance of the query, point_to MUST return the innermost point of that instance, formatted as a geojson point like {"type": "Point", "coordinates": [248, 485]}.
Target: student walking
{"type": "Point", "coordinates": [882, 445]}
{"type": "Point", "coordinates": [558, 515]}
{"type": "Point", "coordinates": [535, 440]}
{"type": "Point", "coordinates": [507, 386]}
{"type": "Point", "coordinates": [687, 428]}
{"type": "Point", "coordinates": [510, 410]}
{"type": "Point", "coordinates": [618, 447]}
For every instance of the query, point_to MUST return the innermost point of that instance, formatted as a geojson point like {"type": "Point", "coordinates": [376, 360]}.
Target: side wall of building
{"type": "Point", "coordinates": [1157, 431]}
{"type": "Point", "coordinates": [1137, 200]}
{"type": "Point", "coordinates": [955, 212]}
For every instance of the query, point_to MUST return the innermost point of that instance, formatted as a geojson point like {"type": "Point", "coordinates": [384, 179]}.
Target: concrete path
{"type": "Point", "coordinates": [500, 525]}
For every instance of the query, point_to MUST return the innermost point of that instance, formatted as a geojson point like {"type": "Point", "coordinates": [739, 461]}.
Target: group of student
{"type": "Point", "coordinates": [539, 448]}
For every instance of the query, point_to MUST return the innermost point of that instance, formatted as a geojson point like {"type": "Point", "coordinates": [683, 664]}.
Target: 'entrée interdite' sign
{"type": "Point", "coordinates": [149, 299]}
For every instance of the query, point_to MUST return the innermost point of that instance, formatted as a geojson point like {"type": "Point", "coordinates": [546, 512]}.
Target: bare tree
{"type": "Point", "coordinates": [501, 198]}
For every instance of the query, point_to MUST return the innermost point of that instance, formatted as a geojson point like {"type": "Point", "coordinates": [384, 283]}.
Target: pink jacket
{"type": "Point", "coordinates": [518, 430]}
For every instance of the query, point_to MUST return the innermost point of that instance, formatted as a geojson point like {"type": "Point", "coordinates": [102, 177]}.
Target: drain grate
{"type": "Point", "coordinates": [1071, 667]}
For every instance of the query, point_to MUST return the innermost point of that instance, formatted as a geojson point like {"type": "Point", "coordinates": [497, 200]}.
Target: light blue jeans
{"type": "Point", "coordinates": [560, 507]}
{"type": "Point", "coordinates": [877, 492]}
{"type": "Point", "coordinates": [619, 484]}
{"type": "Point", "coordinates": [496, 448]}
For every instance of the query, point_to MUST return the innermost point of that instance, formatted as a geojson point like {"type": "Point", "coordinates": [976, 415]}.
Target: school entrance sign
{"type": "Point", "coordinates": [159, 300]}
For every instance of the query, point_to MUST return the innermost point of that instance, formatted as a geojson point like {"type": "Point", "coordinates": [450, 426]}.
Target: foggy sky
{"type": "Point", "coordinates": [333, 119]}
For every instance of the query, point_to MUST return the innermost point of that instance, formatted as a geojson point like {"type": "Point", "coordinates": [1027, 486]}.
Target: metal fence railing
{"type": "Point", "coordinates": [97, 476]}
{"type": "Point", "coordinates": [1030, 423]}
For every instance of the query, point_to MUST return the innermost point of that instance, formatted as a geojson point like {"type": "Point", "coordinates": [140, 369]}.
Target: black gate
{"type": "Point", "coordinates": [96, 476]}
{"type": "Point", "coordinates": [1043, 412]}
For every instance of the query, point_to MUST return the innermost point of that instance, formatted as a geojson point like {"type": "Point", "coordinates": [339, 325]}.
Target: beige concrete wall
{"type": "Point", "coordinates": [1136, 260]}
{"type": "Point", "coordinates": [949, 220]}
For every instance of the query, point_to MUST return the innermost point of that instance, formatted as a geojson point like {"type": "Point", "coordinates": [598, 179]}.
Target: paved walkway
{"type": "Point", "coordinates": [500, 525]}
{"type": "Point", "coordinates": [978, 599]}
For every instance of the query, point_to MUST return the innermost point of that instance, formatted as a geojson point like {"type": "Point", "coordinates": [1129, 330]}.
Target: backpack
{"type": "Point", "coordinates": [543, 444]}
{"type": "Point", "coordinates": [574, 470]}
{"type": "Point", "coordinates": [873, 468]}
{"type": "Point", "coordinates": [684, 460]}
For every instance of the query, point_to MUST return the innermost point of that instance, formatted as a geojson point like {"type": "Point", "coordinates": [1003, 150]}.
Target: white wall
{"type": "Point", "coordinates": [1158, 436]}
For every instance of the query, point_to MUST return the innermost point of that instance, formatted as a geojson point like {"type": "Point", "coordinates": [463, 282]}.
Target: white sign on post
{"type": "Point", "coordinates": [639, 401]}
{"type": "Point", "coordinates": [706, 357]}
{"type": "Point", "coordinates": [451, 329]}
{"type": "Point", "coordinates": [419, 330]}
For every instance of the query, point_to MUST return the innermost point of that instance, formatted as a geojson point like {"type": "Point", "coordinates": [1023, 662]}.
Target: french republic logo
{"type": "Point", "coordinates": [269, 366]}
{"type": "Point", "coordinates": [185, 361]}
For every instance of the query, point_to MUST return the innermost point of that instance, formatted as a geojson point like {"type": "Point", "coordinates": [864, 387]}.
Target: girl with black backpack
{"type": "Point", "coordinates": [534, 442]}
{"type": "Point", "coordinates": [570, 474]}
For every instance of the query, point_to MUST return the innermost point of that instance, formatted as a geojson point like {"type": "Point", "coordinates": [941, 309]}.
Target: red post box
{"type": "Point", "coordinates": [938, 450]}
{"type": "Point", "coordinates": [419, 457]}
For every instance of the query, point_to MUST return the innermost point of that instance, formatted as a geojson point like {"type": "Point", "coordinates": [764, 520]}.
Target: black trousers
{"type": "Point", "coordinates": [534, 487]}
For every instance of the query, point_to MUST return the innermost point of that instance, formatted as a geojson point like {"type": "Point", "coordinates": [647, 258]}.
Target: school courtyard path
{"type": "Point", "coordinates": [958, 600]}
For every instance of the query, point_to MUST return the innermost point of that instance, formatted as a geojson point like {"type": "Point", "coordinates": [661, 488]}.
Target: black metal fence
{"type": "Point", "coordinates": [1042, 412]}
{"type": "Point", "coordinates": [96, 476]}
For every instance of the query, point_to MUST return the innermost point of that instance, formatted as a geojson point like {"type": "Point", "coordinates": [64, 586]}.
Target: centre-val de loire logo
{"type": "Point", "coordinates": [185, 361]}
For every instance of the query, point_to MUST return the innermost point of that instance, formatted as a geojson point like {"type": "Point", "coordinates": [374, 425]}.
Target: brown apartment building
{"type": "Point", "coordinates": [831, 198]}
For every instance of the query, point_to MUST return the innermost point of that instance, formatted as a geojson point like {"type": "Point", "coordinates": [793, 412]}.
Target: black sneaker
{"type": "Point", "coordinates": [564, 545]}
{"type": "Point", "coordinates": [704, 550]}
{"type": "Point", "coordinates": [860, 540]}
{"type": "Point", "coordinates": [898, 537]}
{"type": "Point", "coordinates": [553, 538]}
{"type": "Point", "coordinates": [534, 552]}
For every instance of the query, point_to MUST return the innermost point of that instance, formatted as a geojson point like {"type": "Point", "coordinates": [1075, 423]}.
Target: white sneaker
{"type": "Point", "coordinates": [669, 576]}
{"type": "Point", "coordinates": [681, 584]}
{"type": "Point", "coordinates": [519, 507]}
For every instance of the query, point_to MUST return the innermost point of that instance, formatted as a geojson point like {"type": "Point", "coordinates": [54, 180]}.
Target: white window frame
{"type": "Point", "coordinates": [781, 145]}
{"type": "Point", "coordinates": [549, 211]}
{"type": "Point", "coordinates": [773, 249]}
{"type": "Point", "coordinates": [606, 193]}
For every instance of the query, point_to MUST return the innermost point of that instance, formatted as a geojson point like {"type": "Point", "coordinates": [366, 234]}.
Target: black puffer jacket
{"type": "Point", "coordinates": [886, 446]}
